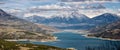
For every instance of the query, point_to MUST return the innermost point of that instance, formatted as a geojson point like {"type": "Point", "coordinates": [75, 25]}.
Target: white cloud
{"type": "Point", "coordinates": [53, 6]}
{"type": "Point", "coordinates": [89, 13]}
{"type": "Point", "coordinates": [94, 13]}
{"type": "Point", "coordinates": [42, 14]}
{"type": "Point", "coordinates": [14, 10]}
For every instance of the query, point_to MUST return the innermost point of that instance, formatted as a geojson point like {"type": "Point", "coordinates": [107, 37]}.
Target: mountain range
{"type": "Point", "coordinates": [75, 20]}
{"type": "Point", "coordinates": [72, 18]}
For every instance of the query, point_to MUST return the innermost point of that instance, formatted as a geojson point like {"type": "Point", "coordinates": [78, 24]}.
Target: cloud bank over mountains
{"type": "Point", "coordinates": [47, 8]}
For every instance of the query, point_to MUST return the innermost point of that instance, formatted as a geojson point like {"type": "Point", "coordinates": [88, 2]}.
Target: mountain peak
{"type": "Point", "coordinates": [76, 14]}
{"type": "Point", "coordinates": [106, 18]}
{"type": "Point", "coordinates": [71, 15]}
{"type": "Point", "coordinates": [3, 13]}
{"type": "Point", "coordinates": [106, 15]}
{"type": "Point", "coordinates": [109, 14]}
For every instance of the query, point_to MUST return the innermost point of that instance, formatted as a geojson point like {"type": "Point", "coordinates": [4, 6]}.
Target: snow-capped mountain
{"type": "Point", "coordinates": [72, 18]}
{"type": "Point", "coordinates": [75, 20]}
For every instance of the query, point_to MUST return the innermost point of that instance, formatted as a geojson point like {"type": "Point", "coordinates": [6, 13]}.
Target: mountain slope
{"type": "Point", "coordinates": [111, 31]}
{"type": "Point", "coordinates": [105, 18]}
{"type": "Point", "coordinates": [12, 27]}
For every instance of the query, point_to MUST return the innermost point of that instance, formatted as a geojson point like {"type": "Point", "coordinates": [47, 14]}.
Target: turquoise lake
{"type": "Point", "coordinates": [79, 42]}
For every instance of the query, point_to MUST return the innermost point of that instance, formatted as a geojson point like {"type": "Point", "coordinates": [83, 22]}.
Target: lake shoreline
{"type": "Point", "coordinates": [86, 35]}
{"type": "Point", "coordinates": [73, 41]}
{"type": "Point", "coordinates": [33, 40]}
{"type": "Point", "coordinates": [87, 32]}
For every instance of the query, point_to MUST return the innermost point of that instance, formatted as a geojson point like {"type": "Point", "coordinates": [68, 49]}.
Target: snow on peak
{"type": "Point", "coordinates": [71, 15]}
{"type": "Point", "coordinates": [57, 14]}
